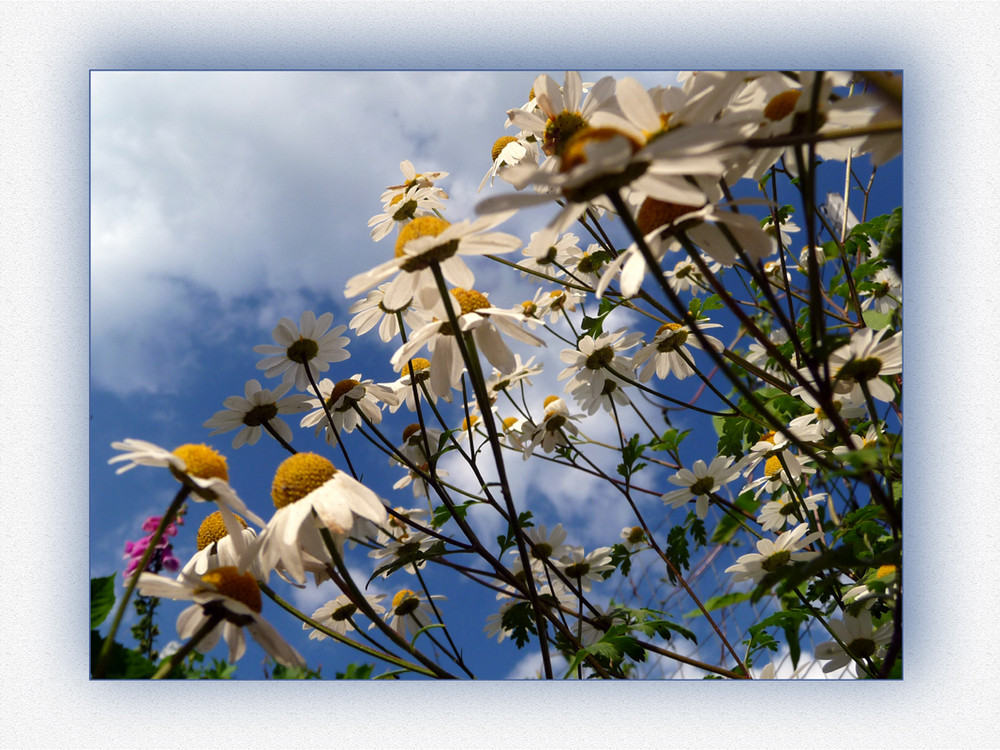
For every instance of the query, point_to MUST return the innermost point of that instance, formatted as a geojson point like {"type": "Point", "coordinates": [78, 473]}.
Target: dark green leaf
{"type": "Point", "coordinates": [102, 599]}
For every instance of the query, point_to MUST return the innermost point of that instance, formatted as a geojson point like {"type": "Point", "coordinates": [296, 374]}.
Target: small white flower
{"type": "Point", "coordinates": [230, 595]}
{"type": "Point", "coordinates": [700, 482]}
{"type": "Point", "coordinates": [858, 636]}
{"type": "Point", "coordinates": [255, 408]}
{"type": "Point", "coordinates": [336, 615]}
{"type": "Point", "coordinates": [311, 344]}
{"type": "Point", "coordinates": [772, 555]}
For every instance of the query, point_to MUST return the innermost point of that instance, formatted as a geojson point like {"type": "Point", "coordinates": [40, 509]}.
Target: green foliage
{"type": "Point", "coordinates": [102, 599]}
{"type": "Point", "coordinates": [281, 672]}
{"type": "Point", "coordinates": [669, 441]}
{"type": "Point", "coordinates": [356, 672]}
{"type": "Point", "coordinates": [442, 514]}
{"type": "Point", "coordinates": [789, 621]}
{"type": "Point", "coordinates": [594, 327]}
{"type": "Point", "coordinates": [509, 540]}
{"type": "Point", "coordinates": [519, 621]}
{"type": "Point", "coordinates": [677, 550]}
{"type": "Point", "coordinates": [621, 558]}
{"type": "Point", "coordinates": [123, 663]}
{"type": "Point", "coordinates": [631, 452]}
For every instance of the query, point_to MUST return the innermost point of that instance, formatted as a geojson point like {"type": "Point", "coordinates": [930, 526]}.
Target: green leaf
{"type": "Point", "coordinates": [123, 663]}
{"type": "Point", "coordinates": [718, 602]}
{"type": "Point", "coordinates": [356, 672]}
{"type": "Point", "coordinates": [891, 242]}
{"type": "Point", "coordinates": [670, 440]}
{"type": "Point", "coordinates": [102, 599]}
{"type": "Point", "coordinates": [442, 514]}
{"type": "Point", "coordinates": [281, 672]}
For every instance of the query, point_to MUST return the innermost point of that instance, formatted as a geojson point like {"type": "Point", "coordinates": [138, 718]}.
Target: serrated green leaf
{"type": "Point", "coordinates": [102, 599]}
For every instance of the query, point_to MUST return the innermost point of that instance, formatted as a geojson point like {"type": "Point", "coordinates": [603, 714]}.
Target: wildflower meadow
{"type": "Point", "coordinates": [624, 402]}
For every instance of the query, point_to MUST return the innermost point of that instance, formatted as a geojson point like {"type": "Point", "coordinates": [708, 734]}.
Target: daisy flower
{"type": "Point", "coordinates": [416, 371]}
{"type": "Point", "coordinates": [411, 179]}
{"type": "Point", "coordinates": [596, 361]}
{"type": "Point", "coordinates": [217, 549]}
{"type": "Point", "coordinates": [255, 408]}
{"type": "Point", "coordinates": [700, 482]}
{"type": "Point", "coordinates": [403, 207]}
{"type": "Point", "coordinates": [199, 467]}
{"type": "Point", "coordinates": [612, 393]}
{"type": "Point", "coordinates": [230, 598]}
{"type": "Point", "coordinates": [429, 240]}
{"type": "Point", "coordinates": [860, 638]}
{"type": "Point", "coordinates": [341, 398]}
{"type": "Point", "coordinates": [494, 623]}
{"type": "Point", "coordinates": [336, 615]}
{"type": "Point", "coordinates": [552, 431]}
{"type": "Point", "coordinates": [887, 575]}
{"type": "Point", "coordinates": [785, 510]}
{"type": "Point", "coordinates": [560, 112]}
{"type": "Point", "coordinates": [410, 612]}
{"type": "Point", "coordinates": [509, 150]}
{"type": "Point", "coordinates": [633, 538]}
{"type": "Point", "coordinates": [707, 225]}
{"type": "Point", "coordinates": [521, 374]}
{"type": "Point", "coordinates": [585, 569]}
{"type": "Point", "coordinates": [406, 547]}
{"type": "Point", "coordinates": [887, 293]}
{"type": "Point", "coordinates": [846, 408]}
{"type": "Point", "coordinates": [309, 494]}
{"type": "Point", "coordinates": [370, 312]}
{"type": "Point", "coordinates": [778, 474]}
{"type": "Point", "coordinates": [546, 252]}
{"type": "Point", "coordinates": [667, 353]}
{"type": "Point", "coordinates": [866, 359]}
{"type": "Point", "coordinates": [475, 314]}
{"type": "Point", "coordinates": [543, 546]}
{"type": "Point", "coordinates": [772, 555]}
{"type": "Point", "coordinates": [311, 344]}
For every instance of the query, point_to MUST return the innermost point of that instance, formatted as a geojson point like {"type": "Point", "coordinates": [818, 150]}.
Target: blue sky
{"type": "Point", "coordinates": [223, 201]}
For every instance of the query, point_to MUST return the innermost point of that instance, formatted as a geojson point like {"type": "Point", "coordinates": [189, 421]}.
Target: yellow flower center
{"type": "Point", "coordinates": [203, 462]}
{"type": "Point", "coordinates": [773, 467]}
{"type": "Point", "coordinates": [469, 300]}
{"type": "Point", "coordinates": [767, 437]}
{"type": "Point", "coordinates": [885, 570]}
{"type": "Point", "coordinates": [782, 105]}
{"type": "Point", "coordinates": [549, 400]}
{"type": "Point", "coordinates": [509, 422]}
{"type": "Point", "coordinates": [228, 581]}
{"type": "Point", "coordinates": [404, 602]}
{"type": "Point", "coordinates": [673, 341]}
{"type": "Point", "coordinates": [212, 529]}
{"type": "Point", "coordinates": [499, 145]}
{"type": "Point", "coordinates": [529, 307]}
{"type": "Point", "coordinates": [575, 152]}
{"type": "Point", "coordinates": [559, 129]}
{"type": "Point", "coordinates": [635, 535]}
{"type": "Point", "coordinates": [299, 475]}
{"type": "Point", "coordinates": [655, 213]}
{"type": "Point", "coordinates": [424, 226]}
{"type": "Point", "coordinates": [467, 422]}
{"type": "Point", "coordinates": [417, 364]}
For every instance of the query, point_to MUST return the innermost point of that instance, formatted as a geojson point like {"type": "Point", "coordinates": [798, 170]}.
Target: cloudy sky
{"type": "Point", "coordinates": [224, 201]}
